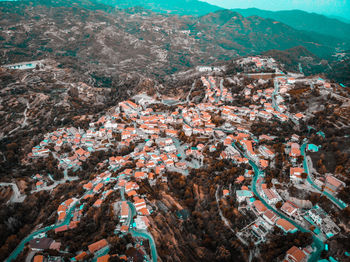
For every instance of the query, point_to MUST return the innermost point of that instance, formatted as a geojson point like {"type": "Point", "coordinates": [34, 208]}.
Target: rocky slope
{"type": "Point", "coordinates": [101, 42]}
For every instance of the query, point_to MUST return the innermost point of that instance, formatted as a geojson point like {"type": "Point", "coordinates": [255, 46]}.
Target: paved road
{"type": "Point", "coordinates": [21, 245]}
{"type": "Point", "coordinates": [226, 222]}
{"type": "Point", "coordinates": [139, 233]}
{"type": "Point", "coordinates": [340, 204]}
{"type": "Point", "coordinates": [317, 243]}
{"type": "Point", "coordinates": [142, 233]}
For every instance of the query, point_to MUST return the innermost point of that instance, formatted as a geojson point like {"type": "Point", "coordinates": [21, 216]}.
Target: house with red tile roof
{"type": "Point", "coordinates": [259, 206]}
{"type": "Point", "coordinates": [139, 204]}
{"type": "Point", "coordinates": [124, 210]}
{"type": "Point", "coordinates": [38, 258]}
{"type": "Point", "coordinates": [144, 211]}
{"type": "Point", "coordinates": [333, 184]}
{"type": "Point", "coordinates": [39, 184]}
{"type": "Point", "coordinates": [294, 150]}
{"type": "Point", "coordinates": [290, 209]}
{"type": "Point", "coordinates": [97, 245]}
{"type": "Point", "coordinates": [286, 226]}
{"type": "Point", "coordinates": [271, 196]}
{"type": "Point", "coordinates": [181, 165]}
{"type": "Point", "coordinates": [299, 116]}
{"type": "Point", "coordinates": [81, 256]}
{"type": "Point", "coordinates": [129, 186]}
{"type": "Point", "coordinates": [247, 144]}
{"type": "Point", "coordinates": [131, 193]}
{"type": "Point", "coordinates": [263, 163]}
{"type": "Point", "coordinates": [98, 187]}
{"type": "Point", "coordinates": [270, 217]}
{"type": "Point", "coordinates": [140, 175]}
{"type": "Point", "coordinates": [104, 258]}
{"type": "Point", "coordinates": [295, 173]}
{"type": "Point", "coordinates": [249, 173]}
{"type": "Point", "coordinates": [88, 196]}
{"type": "Point", "coordinates": [88, 186]}
{"type": "Point", "coordinates": [124, 229]}
{"type": "Point", "coordinates": [61, 216]}
{"type": "Point", "coordinates": [239, 179]}
{"type": "Point", "coordinates": [61, 229]}
{"type": "Point", "coordinates": [294, 254]}
{"type": "Point", "coordinates": [225, 192]}
{"type": "Point", "coordinates": [98, 203]}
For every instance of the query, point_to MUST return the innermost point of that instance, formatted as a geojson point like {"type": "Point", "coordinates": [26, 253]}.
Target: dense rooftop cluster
{"type": "Point", "coordinates": [147, 139]}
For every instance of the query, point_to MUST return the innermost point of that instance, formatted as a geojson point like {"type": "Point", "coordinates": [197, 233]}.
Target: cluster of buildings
{"type": "Point", "coordinates": [259, 63]}
{"type": "Point", "coordinates": [322, 221]}
{"type": "Point", "coordinates": [80, 145]}
{"type": "Point", "coordinates": [155, 140]}
{"type": "Point", "coordinates": [257, 231]}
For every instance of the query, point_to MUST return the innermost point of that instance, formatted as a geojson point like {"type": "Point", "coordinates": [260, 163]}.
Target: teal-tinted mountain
{"type": "Point", "coordinates": [107, 42]}
{"type": "Point", "coordinates": [254, 34]}
{"type": "Point", "coordinates": [179, 7]}
{"type": "Point", "coordinates": [303, 21]}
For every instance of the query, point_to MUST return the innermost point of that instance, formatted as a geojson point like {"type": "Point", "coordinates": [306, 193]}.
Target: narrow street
{"type": "Point", "coordinates": [226, 222]}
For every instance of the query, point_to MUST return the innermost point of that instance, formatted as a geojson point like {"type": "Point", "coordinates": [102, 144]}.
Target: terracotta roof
{"type": "Point", "coordinates": [97, 245]}
{"type": "Point", "coordinates": [68, 202]}
{"type": "Point", "coordinates": [144, 211]}
{"type": "Point", "coordinates": [259, 206]}
{"type": "Point", "coordinates": [98, 187]}
{"type": "Point", "coordinates": [288, 207]}
{"type": "Point", "coordinates": [131, 193]}
{"type": "Point", "coordinates": [61, 216]}
{"type": "Point", "coordinates": [333, 181]}
{"type": "Point", "coordinates": [295, 254]}
{"type": "Point", "coordinates": [125, 209]}
{"type": "Point", "coordinates": [98, 202]}
{"type": "Point", "coordinates": [104, 258]}
{"type": "Point", "coordinates": [38, 258]}
{"type": "Point", "coordinates": [61, 229]}
{"type": "Point", "coordinates": [81, 256]}
{"type": "Point", "coordinates": [240, 179]}
{"type": "Point", "coordinates": [271, 216]}
{"type": "Point", "coordinates": [285, 225]}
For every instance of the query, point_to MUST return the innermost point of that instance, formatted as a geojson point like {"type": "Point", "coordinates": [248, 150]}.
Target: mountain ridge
{"type": "Point", "coordinates": [140, 40]}
{"type": "Point", "coordinates": [302, 20]}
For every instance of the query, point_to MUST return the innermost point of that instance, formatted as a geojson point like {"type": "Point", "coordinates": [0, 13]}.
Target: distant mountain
{"type": "Point", "coordinates": [303, 21]}
{"type": "Point", "coordinates": [102, 42]}
{"type": "Point", "coordinates": [340, 18]}
{"type": "Point", "coordinates": [254, 34]}
{"type": "Point", "coordinates": [179, 7]}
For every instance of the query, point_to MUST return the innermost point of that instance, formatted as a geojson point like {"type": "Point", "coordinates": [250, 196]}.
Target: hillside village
{"type": "Point", "coordinates": [146, 139]}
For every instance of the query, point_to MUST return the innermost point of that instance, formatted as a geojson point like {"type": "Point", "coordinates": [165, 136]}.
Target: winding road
{"type": "Point", "coordinates": [139, 233]}
{"type": "Point", "coordinates": [21, 245]}
{"type": "Point", "coordinates": [340, 204]}
{"type": "Point", "coordinates": [226, 222]}
{"type": "Point", "coordinates": [317, 243]}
